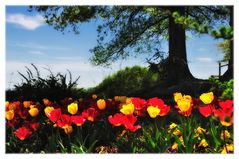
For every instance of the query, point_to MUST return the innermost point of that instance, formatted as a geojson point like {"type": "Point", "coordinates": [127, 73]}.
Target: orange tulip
{"type": "Point", "coordinates": [27, 104]}
{"type": "Point", "coordinates": [101, 104]}
{"type": "Point", "coordinates": [33, 112]}
{"type": "Point", "coordinates": [9, 115]}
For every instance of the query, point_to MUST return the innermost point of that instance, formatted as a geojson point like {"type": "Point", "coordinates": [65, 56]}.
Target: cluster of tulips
{"type": "Point", "coordinates": [121, 112]}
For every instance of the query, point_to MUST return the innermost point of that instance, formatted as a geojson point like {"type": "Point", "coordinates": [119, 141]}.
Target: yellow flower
{"type": "Point", "coordinates": [175, 146]}
{"type": "Point", "coordinates": [207, 98]}
{"type": "Point", "coordinates": [172, 126]}
{"type": "Point", "coordinates": [181, 140]}
{"type": "Point", "coordinates": [227, 148]}
{"type": "Point", "coordinates": [200, 130]}
{"type": "Point", "coordinates": [203, 143]}
{"type": "Point", "coordinates": [177, 132]}
{"type": "Point", "coordinates": [225, 135]}
{"type": "Point", "coordinates": [72, 108]}
{"type": "Point", "coordinates": [6, 104]}
{"type": "Point", "coordinates": [153, 111]}
{"type": "Point", "coordinates": [9, 115]}
{"type": "Point", "coordinates": [184, 104]}
{"type": "Point", "coordinates": [177, 96]}
{"type": "Point", "coordinates": [33, 111]}
{"type": "Point", "coordinates": [127, 109]}
{"type": "Point", "coordinates": [68, 129]}
{"type": "Point", "coordinates": [101, 104]}
{"type": "Point", "coordinates": [48, 110]}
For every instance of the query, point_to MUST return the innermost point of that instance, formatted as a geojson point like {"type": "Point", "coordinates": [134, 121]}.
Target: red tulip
{"type": "Point", "coordinates": [55, 115]}
{"type": "Point", "coordinates": [129, 121]}
{"type": "Point", "coordinates": [116, 120]}
{"type": "Point", "coordinates": [34, 125]}
{"type": "Point", "coordinates": [207, 110]}
{"type": "Point", "coordinates": [78, 120]}
{"type": "Point", "coordinates": [139, 106]}
{"type": "Point", "coordinates": [22, 133]}
{"type": "Point", "coordinates": [90, 114]}
{"type": "Point", "coordinates": [225, 112]}
{"type": "Point", "coordinates": [64, 121]}
{"type": "Point", "coordinates": [156, 102]}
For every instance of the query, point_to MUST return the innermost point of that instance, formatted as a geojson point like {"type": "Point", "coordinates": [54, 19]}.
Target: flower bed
{"type": "Point", "coordinates": [121, 125]}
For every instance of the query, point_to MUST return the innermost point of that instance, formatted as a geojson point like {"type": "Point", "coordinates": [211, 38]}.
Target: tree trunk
{"type": "Point", "coordinates": [229, 73]}
{"type": "Point", "coordinates": [177, 68]}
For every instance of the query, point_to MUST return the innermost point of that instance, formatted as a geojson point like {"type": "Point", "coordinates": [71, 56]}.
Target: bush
{"type": "Point", "coordinates": [53, 87]}
{"type": "Point", "coordinates": [129, 81]}
{"type": "Point", "coordinates": [223, 89]}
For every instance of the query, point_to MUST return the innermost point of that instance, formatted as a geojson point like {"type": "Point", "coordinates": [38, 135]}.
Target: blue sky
{"type": "Point", "coordinates": [29, 40]}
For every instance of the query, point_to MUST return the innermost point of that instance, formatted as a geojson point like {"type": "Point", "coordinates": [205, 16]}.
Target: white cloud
{"type": "Point", "coordinates": [204, 59]}
{"type": "Point", "coordinates": [26, 22]}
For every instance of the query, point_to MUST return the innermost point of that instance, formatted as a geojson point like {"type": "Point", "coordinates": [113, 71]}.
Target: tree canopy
{"type": "Point", "coordinates": [131, 30]}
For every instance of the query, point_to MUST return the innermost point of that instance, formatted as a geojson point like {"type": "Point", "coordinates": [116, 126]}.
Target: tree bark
{"type": "Point", "coordinates": [178, 69]}
{"type": "Point", "coordinates": [229, 73]}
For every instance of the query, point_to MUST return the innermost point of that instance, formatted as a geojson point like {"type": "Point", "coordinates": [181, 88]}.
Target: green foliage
{"type": "Point", "coordinates": [53, 87]}
{"type": "Point", "coordinates": [224, 46]}
{"type": "Point", "coordinates": [127, 30]}
{"type": "Point", "coordinates": [128, 81]}
{"type": "Point", "coordinates": [223, 89]}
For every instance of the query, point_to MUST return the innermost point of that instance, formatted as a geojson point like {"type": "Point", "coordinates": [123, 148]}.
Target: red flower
{"type": "Point", "coordinates": [156, 102]}
{"type": "Point", "coordinates": [34, 125]}
{"type": "Point", "coordinates": [207, 110]}
{"type": "Point", "coordinates": [139, 106]}
{"type": "Point", "coordinates": [90, 114]}
{"type": "Point", "coordinates": [78, 120]}
{"type": "Point", "coordinates": [22, 133]}
{"type": "Point", "coordinates": [164, 110]}
{"type": "Point", "coordinates": [55, 115]}
{"type": "Point", "coordinates": [159, 103]}
{"type": "Point", "coordinates": [186, 113]}
{"type": "Point", "coordinates": [116, 120]}
{"type": "Point", "coordinates": [64, 121]}
{"type": "Point", "coordinates": [225, 113]}
{"type": "Point", "coordinates": [129, 121]}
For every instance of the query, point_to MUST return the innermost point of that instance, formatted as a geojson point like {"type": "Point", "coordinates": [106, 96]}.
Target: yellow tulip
{"type": "Point", "coordinates": [48, 110]}
{"type": "Point", "coordinates": [177, 96]}
{"type": "Point", "coordinates": [207, 98]}
{"type": "Point", "coordinates": [72, 108]}
{"type": "Point", "coordinates": [127, 109]}
{"type": "Point", "coordinates": [153, 111]}
{"type": "Point", "coordinates": [9, 115]}
{"type": "Point", "coordinates": [33, 112]}
{"type": "Point", "coordinates": [184, 104]}
{"type": "Point", "coordinates": [101, 104]}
